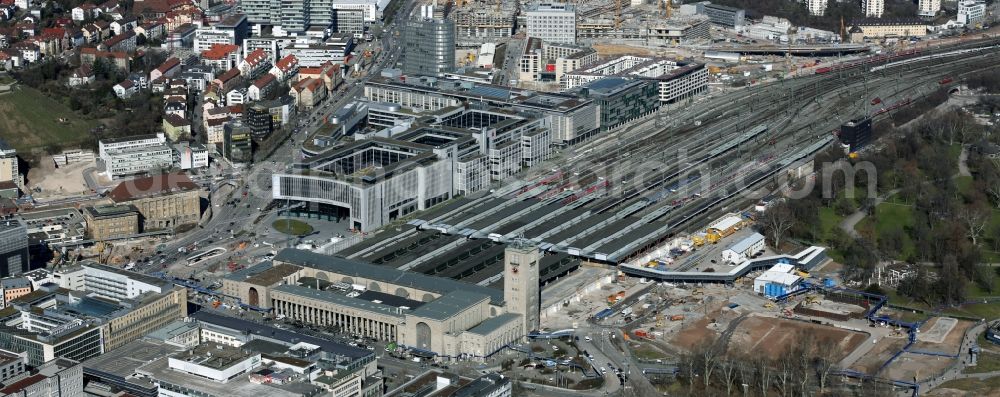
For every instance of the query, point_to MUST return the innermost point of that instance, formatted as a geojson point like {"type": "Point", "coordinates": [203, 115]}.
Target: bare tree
{"type": "Point", "coordinates": [709, 353]}
{"type": "Point", "coordinates": [763, 375]}
{"type": "Point", "coordinates": [727, 370]}
{"type": "Point", "coordinates": [776, 221]}
{"type": "Point", "coordinates": [974, 216]}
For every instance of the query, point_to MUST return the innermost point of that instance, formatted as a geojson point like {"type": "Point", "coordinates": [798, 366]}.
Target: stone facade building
{"type": "Point", "coordinates": [164, 201]}
{"type": "Point", "coordinates": [111, 221]}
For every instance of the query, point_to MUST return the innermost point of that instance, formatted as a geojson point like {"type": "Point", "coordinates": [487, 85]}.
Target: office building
{"type": "Point", "coordinates": [138, 160]}
{"type": "Point", "coordinates": [165, 201]}
{"type": "Point", "coordinates": [230, 31]}
{"type": "Point", "coordinates": [190, 155]}
{"type": "Point", "coordinates": [428, 45]}
{"type": "Point", "coordinates": [928, 8]}
{"type": "Point", "coordinates": [13, 247]}
{"type": "Point", "coordinates": [855, 134]}
{"type": "Point", "coordinates": [873, 8]}
{"type": "Point", "coordinates": [971, 12]}
{"type": "Point", "coordinates": [238, 142]}
{"type": "Point", "coordinates": [676, 80]}
{"type": "Point", "coordinates": [551, 22]}
{"type": "Point", "coordinates": [12, 365]}
{"type": "Point", "coordinates": [429, 316]}
{"type": "Point", "coordinates": [61, 377]}
{"type": "Point", "coordinates": [571, 118]}
{"type": "Point", "coordinates": [545, 62]}
{"type": "Point", "coordinates": [816, 7]}
{"type": "Point", "coordinates": [53, 322]}
{"type": "Point", "coordinates": [349, 21]}
{"type": "Point", "coordinates": [108, 222]}
{"type": "Point", "coordinates": [371, 9]}
{"type": "Point", "coordinates": [54, 228]}
{"type": "Point", "coordinates": [12, 288]}
{"type": "Point", "coordinates": [210, 355]}
{"type": "Point", "coordinates": [104, 145]}
{"type": "Point", "coordinates": [877, 28]}
{"type": "Point", "coordinates": [622, 100]}
{"type": "Point", "coordinates": [725, 16]}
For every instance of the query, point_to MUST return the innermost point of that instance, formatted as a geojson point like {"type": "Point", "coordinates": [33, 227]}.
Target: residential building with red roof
{"type": "Point", "coordinates": [222, 56]}
{"type": "Point", "coordinates": [285, 68]}
{"type": "Point", "coordinates": [262, 87]}
{"type": "Point", "coordinates": [308, 92]}
{"type": "Point", "coordinates": [255, 64]}
{"type": "Point", "coordinates": [167, 69]}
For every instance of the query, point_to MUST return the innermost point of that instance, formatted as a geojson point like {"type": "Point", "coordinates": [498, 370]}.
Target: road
{"type": "Point", "coordinates": [256, 180]}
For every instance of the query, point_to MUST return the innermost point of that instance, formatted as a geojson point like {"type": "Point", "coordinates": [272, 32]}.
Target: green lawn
{"type": "Point", "coordinates": [963, 184]}
{"type": "Point", "coordinates": [29, 120]}
{"type": "Point", "coordinates": [981, 387]}
{"type": "Point", "coordinates": [828, 221]}
{"type": "Point", "coordinates": [987, 362]}
{"type": "Point", "coordinates": [988, 311]}
{"type": "Point", "coordinates": [292, 226]}
{"type": "Point", "coordinates": [891, 216]}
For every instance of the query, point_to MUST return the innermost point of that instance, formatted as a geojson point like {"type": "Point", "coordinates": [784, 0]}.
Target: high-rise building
{"type": "Point", "coordinates": [971, 12]}
{"type": "Point", "coordinates": [428, 44]}
{"type": "Point", "coordinates": [520, 283]}
{"type": "Point", "coordinates": [928, 8]}
{"type": "Point", "coordinates": [552, 22]}
{"type": "Point", "coordinates": [816, 7]}
{"type": "Point", "coordinates": [873, 8]}
{"type": "Point", "coordinates": [855, 134]}
{"type": "Point", "coordinates": [238, 142]}
{"type": "Point", "coordinates": [13, 247]}
{"type": "Point", "coordinates": [294, 15]}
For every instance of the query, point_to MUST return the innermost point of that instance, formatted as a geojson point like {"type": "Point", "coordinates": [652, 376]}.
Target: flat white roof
{"type": "Point", "coordinates": [726, 223]}
{"type": "Point", "coordinates": [782, 268]}
{"type": "Point", "coordinates": [746, 243]}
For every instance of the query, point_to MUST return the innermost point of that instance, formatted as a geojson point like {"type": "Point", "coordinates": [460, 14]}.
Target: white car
{"type": "Point", "coordinates": [586, 338]}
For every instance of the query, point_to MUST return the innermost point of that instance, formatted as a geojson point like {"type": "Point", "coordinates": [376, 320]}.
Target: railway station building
{"type": "Point", "coordinates": [433, 316]}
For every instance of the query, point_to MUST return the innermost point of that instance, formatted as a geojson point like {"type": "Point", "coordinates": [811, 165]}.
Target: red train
{"type": "Point", "coordinates": [869, 60]}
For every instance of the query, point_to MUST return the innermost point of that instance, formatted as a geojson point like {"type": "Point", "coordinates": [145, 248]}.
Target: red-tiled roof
{"type": "Point", "coordinates": [264, 81]}
{"type": "Point", "coordinates": [255, 57]}
{"type": "Point", "coordinates": [219, 51]}
{"type": "Point", "coordinates": [175, 120]}
{"type": "Point", "coordinates": [229, 75]}
{"type": "Point", "coordinates": [310, 84]}
{"type": "Point", "coordinates": [158, 185]}
{"type": "Point", "coordinates": [126, 84]}
{"type": "Point", "coordinates": [287, 63]}
{"type": "Point", "coordinates": [22, 384]}
{"type": "Point", "coordinates": [236, 109]}
{"type": "Point", "coordinates": [119, 38]}
{"type": "Point", "coordinates": [169, 64]}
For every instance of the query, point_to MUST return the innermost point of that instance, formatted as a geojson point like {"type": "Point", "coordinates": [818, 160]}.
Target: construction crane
{"type": "Point", "coordinates": [618, 14]}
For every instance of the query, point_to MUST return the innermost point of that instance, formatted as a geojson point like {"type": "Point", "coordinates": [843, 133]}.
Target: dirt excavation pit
{"type": "Point", "coordinates": [935, 330]}
{"type": "Point", "coordinates": [773, 337]}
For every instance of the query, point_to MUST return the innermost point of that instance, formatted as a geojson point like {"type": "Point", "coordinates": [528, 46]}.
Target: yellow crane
{"type": "Point", "coordinates": [618, 14]}
{"type": "Point", "coordinates": [667, 7]}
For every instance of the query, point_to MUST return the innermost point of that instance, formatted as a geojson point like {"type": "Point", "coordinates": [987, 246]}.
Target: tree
{"type": "Point", "coordinates": [975, 217]}
{"type": "Point", "coordinates": [776, 221]}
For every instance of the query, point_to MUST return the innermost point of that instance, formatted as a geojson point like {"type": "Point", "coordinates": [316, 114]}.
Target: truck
{"type": "Point", "coordinates": [626, 311]}
{"type": "Point", "coordinates": [677, 317]}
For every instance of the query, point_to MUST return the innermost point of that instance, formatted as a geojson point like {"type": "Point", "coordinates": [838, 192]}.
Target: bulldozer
{"type": "Point", "coordinates": [812, 300]}
{"type": "Point", "coordinates": [769, 305]}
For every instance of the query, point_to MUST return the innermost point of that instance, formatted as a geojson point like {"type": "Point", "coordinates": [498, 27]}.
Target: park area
{"type": "Point", "coordinates": [30, 120]}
